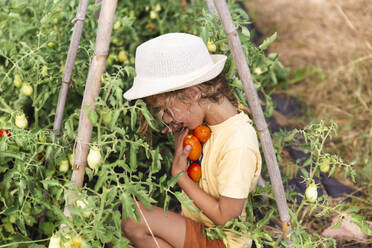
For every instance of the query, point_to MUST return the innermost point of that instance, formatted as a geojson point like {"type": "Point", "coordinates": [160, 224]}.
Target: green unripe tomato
{"type": "Point", "coordinates": [211, 47]}
{"type": "Point", "coordinates": [55, 242]}
{"type": "Point", "coordinates": [27, 90]}
{"type": "Point", "coordinates": [17, 81]}
{"type": "Point", "coordinates": [158, 7]}
{"type": "Point", "coordinates": [257, 71]}
{"type": "Point", "coordinates": [107, 117]}
{"type": "Point", "coordinates": [122, 56]}
{"type": "Point", "coordinates": [132, 14]}
{"type": "Point", "coordinates": [153, 14]}
{"type": "Point", "coordinates": [44, 71]}
{"type": "Point", "coordinates": [21, 121]}
{"type": "Point", "coordinates": [71, 158]}
{"type": "Point", "coordinates": [94, 157]}
{"type": "Point", "coordinates": [63, 166]}
{"type": "Point", "coordinates": [311, 192]}
{"type": "Point", "coordinates": [51, 44]}
{"type": "Point", "coordinates": [325, 165]}
{"type": "Point", "coordinates": [117, 25]}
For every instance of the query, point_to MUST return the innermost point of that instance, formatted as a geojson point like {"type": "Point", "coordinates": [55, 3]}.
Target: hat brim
{"type": "Point", "coordinates": [143, 87]}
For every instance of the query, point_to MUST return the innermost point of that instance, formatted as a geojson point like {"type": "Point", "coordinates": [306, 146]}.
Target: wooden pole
{"type": "Point", "coordinates": [258, 116]}
{"type": "Point", "coordinates": [212, 9]}
{"type": "Point", "coordinates": [93, 83]}
{"type": "Point", "coordinates": [69, 65]}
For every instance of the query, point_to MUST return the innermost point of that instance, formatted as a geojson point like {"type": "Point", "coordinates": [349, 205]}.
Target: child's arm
{"type": "Point", "coordinates": [219, 211]}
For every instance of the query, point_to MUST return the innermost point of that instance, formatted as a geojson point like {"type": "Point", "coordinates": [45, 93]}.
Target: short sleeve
{"type": "Point", "coordinates": [236, 171]}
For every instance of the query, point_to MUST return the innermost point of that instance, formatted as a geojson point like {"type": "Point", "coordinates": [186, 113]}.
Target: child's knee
{"type": "Point", "coordinates": [133, 229]}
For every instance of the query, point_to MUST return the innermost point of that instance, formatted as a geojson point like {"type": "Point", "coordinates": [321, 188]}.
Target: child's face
{"type": "Point", "coordinates": [180, 114]}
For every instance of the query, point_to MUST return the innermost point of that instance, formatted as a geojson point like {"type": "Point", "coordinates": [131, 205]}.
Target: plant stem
{"type": "Point", "coordinates": [24, 242]}
{"type": "Point", "coordinates": [7, 107]}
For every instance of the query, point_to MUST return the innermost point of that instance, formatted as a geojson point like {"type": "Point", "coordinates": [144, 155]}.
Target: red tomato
{"type": "Point", "coordinates": [195, 146]}
{"type": "Point", "coordinates": [202, 132]}
{"type": "Point", "coordinates": [2, 131]}
{"type": "Point", "coordinates": [194, 172]}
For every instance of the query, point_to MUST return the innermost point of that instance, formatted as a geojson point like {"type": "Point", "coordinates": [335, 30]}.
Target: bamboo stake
{"type": "Point", "coordinates": [93, 83]}
{"type": "Point", "coordinates": [258, 116]}
{"type": "Point", "coordinates": [69, 65]}
{"type": "Point", "coordinates": [212, 8]}
{"type": "Point", "coordinates": [66, 78]}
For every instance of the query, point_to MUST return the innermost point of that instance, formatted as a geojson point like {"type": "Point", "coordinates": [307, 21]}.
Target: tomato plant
{"type": "Point", "coordinates": [34, 40]}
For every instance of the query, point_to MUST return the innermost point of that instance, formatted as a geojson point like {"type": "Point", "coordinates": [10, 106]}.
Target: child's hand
{"type": "Point", "coordinates": [181, 153]}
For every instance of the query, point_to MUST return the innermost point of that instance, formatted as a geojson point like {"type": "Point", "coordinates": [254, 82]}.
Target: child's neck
{"type": "Point", "coordinates": [216, 113]}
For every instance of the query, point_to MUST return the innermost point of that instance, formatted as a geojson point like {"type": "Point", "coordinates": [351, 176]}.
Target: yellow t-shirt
{"type": "Point", "coordinates": [231, 166]}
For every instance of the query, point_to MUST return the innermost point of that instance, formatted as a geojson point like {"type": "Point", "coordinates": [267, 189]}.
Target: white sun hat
{"type": "Point", "coordinates": [170, 62]}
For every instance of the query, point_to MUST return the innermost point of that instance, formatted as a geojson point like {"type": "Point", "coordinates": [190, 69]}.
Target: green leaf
{"type": "Point", "coordinates": [46, 183]}
{"type": "Point", "coordinates": [101, 179]}
{"type": "Point", "coordinates": [123, 145]}
{"type": "Point", "coordinates": [133, 118]}
{"type": "Point", "coordinates": [204, 34]}
{"type": "Point", "coordinates": [21, 225]}
{"type": "Point", "coordinates": [246, 32]}
{"type": "Point", "coordinates": [145, 199]}
{"type": "Point", "coordinates": [166, 204]}
{"type": "Point", "coordinates": [133, 156]}
{"type": "Point", "coordinates": [155, 165]}
{"type": "Point", "coordinates": [337, 225]}
{"type": "Point", "coordinates": [354, 209]}
{"type": "Point", "coordinates": [115, 116]}
{"type": "Point", "coordinates": [174, 180]}
{"type": "Point", "coordinates": [116, 216]}
{"type": "Point", "coordinates": [36, 246]}
{"type": "Point", "coordinates": [149, 118]}
{"type": "Point", "coordinates": [123, 165]}
{"type": "Point", "coordinates": [93, 117]}
{"type": "Point", "coordinates": [128, 207]}
{"type": "Point", "coordinates": [268, 41]}
{"type": "Point", "coordinates": [47, 228]}
{"type": "Point", "coordinates": [266, 219]}
{"type": "Point", "coordinates": [185, 201]}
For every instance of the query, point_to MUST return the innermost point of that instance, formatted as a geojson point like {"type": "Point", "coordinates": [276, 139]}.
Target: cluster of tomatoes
{"type": "Point", "coordinates": [4, 132]}
{"type": "Point", "coordinates": [195, 139]}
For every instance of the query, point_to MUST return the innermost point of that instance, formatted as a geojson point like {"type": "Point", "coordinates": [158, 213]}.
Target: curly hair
{"type": "Point", "coordinates": [213, 90]}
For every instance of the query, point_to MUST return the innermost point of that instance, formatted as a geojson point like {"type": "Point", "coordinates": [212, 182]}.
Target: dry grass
{"type": "Point", "coordinates": [335, 36]}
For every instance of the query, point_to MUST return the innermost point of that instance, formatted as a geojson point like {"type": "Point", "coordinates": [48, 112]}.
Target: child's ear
{"type": "Point", "coordinates": [193, 93]}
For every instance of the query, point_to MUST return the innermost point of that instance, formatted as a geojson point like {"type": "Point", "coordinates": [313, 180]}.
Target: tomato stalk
{"type": "Point", "coordinates": [24, 242]}
{"type": "Point", "coordinates": [102, 205]}
{"type": "Point", "coordinates": [36, 110]}
{"type": "Point", "coordinates": [36, 117]}
{"type": "Point", "coordinates": [312, 171]}
{"type": "Point", "coordinates": [7, 107]}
